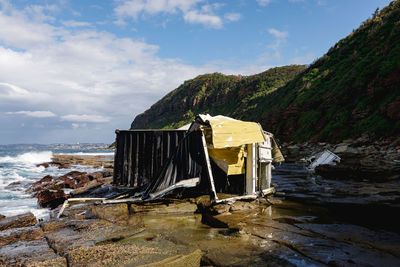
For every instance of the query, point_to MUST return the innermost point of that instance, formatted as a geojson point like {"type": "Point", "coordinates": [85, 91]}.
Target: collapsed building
{"type": "Point", "coordinates": [211, 155]}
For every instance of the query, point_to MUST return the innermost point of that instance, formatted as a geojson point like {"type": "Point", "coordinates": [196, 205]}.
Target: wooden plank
{"type": "Point", "coordinates": [213, 195]}
{"type": "Point", "coordinates": [251, 170]}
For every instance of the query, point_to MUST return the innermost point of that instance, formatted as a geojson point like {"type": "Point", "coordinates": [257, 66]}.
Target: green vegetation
{"type": "Point", "coordinates": [353, 89]}
{"type": "Point", "coordinates": [214, 94]}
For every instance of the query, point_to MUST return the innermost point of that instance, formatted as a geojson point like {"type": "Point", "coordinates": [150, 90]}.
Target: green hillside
{"type": "Point", "coordinates": [353, 89]}
{"type": "Point", "coordinates": [214, 94]}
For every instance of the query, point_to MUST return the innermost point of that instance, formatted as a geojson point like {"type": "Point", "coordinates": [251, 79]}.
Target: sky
{"type": "Point", "coordinates": [76, 70]}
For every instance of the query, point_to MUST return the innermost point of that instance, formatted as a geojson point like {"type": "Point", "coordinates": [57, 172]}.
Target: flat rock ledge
{"type": "Point", "coordinates": [26, 219]}
{"type": "Point", "coordinates": [66, 161]}
{"type": "Point", "coordinates": [192, 232]}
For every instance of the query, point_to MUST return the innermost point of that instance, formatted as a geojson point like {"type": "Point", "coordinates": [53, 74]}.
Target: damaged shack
{"type": "Point", "coordinates": [211, 155]}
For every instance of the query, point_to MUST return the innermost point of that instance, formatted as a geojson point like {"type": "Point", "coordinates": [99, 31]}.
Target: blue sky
{"type": "Point", "coordinates": [74, 71]}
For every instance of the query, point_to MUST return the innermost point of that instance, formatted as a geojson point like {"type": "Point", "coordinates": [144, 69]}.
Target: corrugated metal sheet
{"type": "Point", "coordinates": [141, 155]}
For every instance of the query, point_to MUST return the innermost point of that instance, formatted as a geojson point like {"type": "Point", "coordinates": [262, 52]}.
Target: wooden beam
{"type": "Point", "coordinates": [213, 195]}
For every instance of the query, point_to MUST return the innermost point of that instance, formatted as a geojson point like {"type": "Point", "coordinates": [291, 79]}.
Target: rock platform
{"type": "Point", "coordinates": [298, 229]}
{"type": "Point", "coordinates": [192, 232]}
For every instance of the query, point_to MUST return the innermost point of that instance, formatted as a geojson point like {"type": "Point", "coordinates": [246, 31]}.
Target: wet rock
{"type": "Point", "coordinates": [45, 164]}
{"type": "Point", "coordinates": [41, 184]}
{"type": "Point", "coordinates": [219, 208]}
{"type": "Point", "coordinates": [26, 219]}
{"type": "Point", "coordinates": [13, 184]}
{"type": "Point", "coordinates": [74, 179]}
{"type": "Point", "coordinates": [50, 191]}
{"type": "Point", "coordinates": [378, 240]}
{"type": "Point", "coordinates": [19, 234]}
{"type": "Point", "coordinates": [30, 253]}
{"type": "Point", "coordinates": [51, 198]}
{"type": "Point", "coordinates": [243, 205]}
{"type": "Point", "coordinates": [345, 149]}
{"type": "Point", "coordinates": [90, 185]}
{"type": "Point", "coordinates": [2, 217]}
{"type": "Point", "coordinates": [164, 206]}
{"type": "Point", "coordinates": [113, 212]}
{"type": "Point", "coordinates": [361, 169]}
{"type": "Point", "coordinates": [292, 238]}
{"type": "Point", "coordinates": [190, 260]}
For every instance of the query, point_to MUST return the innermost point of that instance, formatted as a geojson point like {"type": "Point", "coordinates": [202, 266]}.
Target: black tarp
{"type": "Point", "coordinates": [186, 163]}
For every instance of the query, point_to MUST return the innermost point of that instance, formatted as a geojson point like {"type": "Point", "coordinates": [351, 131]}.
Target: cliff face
{"type": "Point", "coordinates": [352, 90]}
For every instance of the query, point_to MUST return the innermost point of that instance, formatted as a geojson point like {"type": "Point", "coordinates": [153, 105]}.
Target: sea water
{"type": "Point", "coordinates": [18, 169]}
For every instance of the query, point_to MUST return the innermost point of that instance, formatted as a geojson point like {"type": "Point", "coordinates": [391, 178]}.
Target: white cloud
{"type": "Point", "coordinates": [279, 39]}
{"type": "Point", "coordinates": [196, 17]}
{"type": "Point", "coordinates": [74, 23]}
{"type": "Point", "coordinates": [81, 74]}
{"type": "Point", "coordinates": [85, 75]}
{"type": "Point", "coordinates": [278, 34]}
{"type": "Point", "coordinates": [85, 118]}
{"type": "Point", "coordinates": [264, 2]}
{"type": "Point", "coordinates": [10, 90]}
{"type": "Point", "coordinates": [78, 125]}
{"type": "Point", "coordinates": [232, 16]}
{"type": "Point", "coordinates": [35, 114]}
{"type": "Point", "coordinates": [191, 10]}
{"type": "Point", "coordinates": [83, 70]}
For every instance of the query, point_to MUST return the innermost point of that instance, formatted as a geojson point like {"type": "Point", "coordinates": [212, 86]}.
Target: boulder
{"type": "Point", "coordinates": [345, 149]}
{"type": "Point", "coordinates": [13, 184]}
{"type": "Point", "coordinates": [22, 220]}
{"type": "Point", "coordinates": [2, 217]}
{"type": "Point", "coordinates": [51, 198]}
{"type": "Point", "coordinates": [40, 185]}
{"type": "Point", "coordinates": [45, 164]}
{"type": "Point", "coordinates": [86, 187]}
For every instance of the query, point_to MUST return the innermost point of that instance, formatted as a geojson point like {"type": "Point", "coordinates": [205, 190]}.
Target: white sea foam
{"type": "Point", "coordinates": [22, 168]}
{"type": "Point", "coordinates": [30, 158]}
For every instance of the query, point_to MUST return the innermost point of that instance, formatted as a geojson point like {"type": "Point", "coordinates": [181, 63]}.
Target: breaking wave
{"type": "Point", "coordinates": [29, 158]}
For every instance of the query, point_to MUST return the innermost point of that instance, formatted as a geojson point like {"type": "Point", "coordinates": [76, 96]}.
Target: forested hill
{"type": "Point", "coordinates": [353, 89]}
{"type": "Point", "coordinates": [214, 94]}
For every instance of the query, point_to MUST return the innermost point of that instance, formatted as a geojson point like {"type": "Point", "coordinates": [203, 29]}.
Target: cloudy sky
{"type": "Point", "coordinates": [76, 70]}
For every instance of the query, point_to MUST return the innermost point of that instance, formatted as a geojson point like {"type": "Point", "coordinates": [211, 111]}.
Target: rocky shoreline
{"type": "Point", "coordinates": [193, 232]}
{"type": "Point", "coordinates": [361, 159]}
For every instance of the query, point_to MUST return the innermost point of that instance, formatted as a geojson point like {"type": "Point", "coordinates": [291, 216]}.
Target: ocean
{"type": "Point", "coordinates": [18, 170]}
